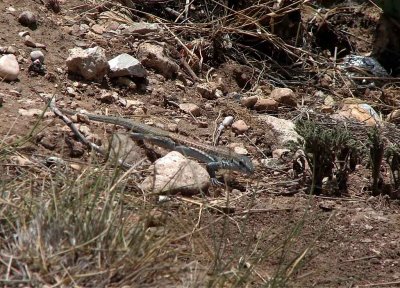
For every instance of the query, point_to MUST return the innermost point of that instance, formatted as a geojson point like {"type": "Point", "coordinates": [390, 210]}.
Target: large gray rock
{"type": "Point", "coordinates": [126, 65]}
{"type": "Point", "coordinates": [90, 63]}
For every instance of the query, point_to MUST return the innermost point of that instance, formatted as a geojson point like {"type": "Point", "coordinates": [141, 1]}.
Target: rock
{"type": "Point", "coordinates": [240, 127]}
{"type": "Point", "coordinates": [272, 163]}
{"type": "Point", "coordinates": [31, 112]}
{"type": "Point", "coordinates": [284, 96]}
{"type": "Point", "coordinates": [49, 141]}
{"type": "Point", "coordinates": [360, 112]}
{"type": "Point", "coordinates": [207, 90]}
{"type": "Point", "coordinates": [8, 50]}
{"type": "Point", "coordinates": [108, 97]}
{"type": "Point", "coordinates": [128, 82]}
{"type": "Point", "coordinates": [85, 130]}
{"type": "Point", "coordinates": [240, 150]}
{"type": "Point", "coordinates": [11, 9]}
{"type": "Point", "coordinates": [326, 109]}
{"type": "Point", "coordinates": [98, 29]}
{"type": "Point", "coordinates": [190, 108]}
{"type": "Point", "coordinates": [329, 101]}
{"type": "Point", "coordinates": [394, 117]}
{"type": "Point", "coordinates": [37, 55]}
{"type": "Point", "coordinates": [249, 102]}
{"type": "Point", "coordinates": [154, 56]}
{"type": "Point", "coordinates": [134, 103]}
{"type": "Point", "coordinates": [90, 63]}
{"type": "Point", "coordinates": [268, 105]}
{"type": "Point", "coordinates": [27, 18]}
{"type": "Point", "coordinates": [327, 205]}
{"type": "Point", "coordinates": [9, 67]}
{"type": "Point", "coordinates": [325, 81]}
{"type": "Point", "coordinates": [174, 174]}
{"type": "Point", "coordinates": [28, 41]}
{"type": "Point", "coordinates": [282, 130]}
{"type": "Point", "coordinates": [71, 91]}
{"type": "Point", "coordinates": [141, 28]}
{"type": "Point", "coordinates": [172, 127]}
{"type": "Point", "coordinates": [280, 153]}
{"type": "Point", "coordinates": [126, 65]}
{"type": "Point", "coordinates": [123, 147]}
{"type": "Point", "coordinates": [23, 33]}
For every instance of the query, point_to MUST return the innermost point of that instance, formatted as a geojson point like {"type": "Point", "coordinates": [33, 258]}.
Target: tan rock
{"type": "Point", "coordinates": [174, 174]}
{"type": "Point", "coordinates": [207, 90]}
{"type": "Point", "coordinates": [190, 108]}
{"type": "Point", "coordinates": [361, 113]}
{"type": "Point", "coordinates": [394, 117]}
{"type": "Point", "coordinates": [269, 105]}
{"type": "Point", "coordinates": [249, 102]}
{"type": "Point", "coordinates": [327, 109]}
{"type": "Point", "coordinates": [284, 96]}
{"type": "Point", "coordinates": [240, 127]}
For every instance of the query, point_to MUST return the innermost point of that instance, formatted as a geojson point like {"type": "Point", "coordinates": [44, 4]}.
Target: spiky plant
{"type": "Point", "coordinates": [323, 146]}
{"type": "Point", "coordinates": [376, 153]}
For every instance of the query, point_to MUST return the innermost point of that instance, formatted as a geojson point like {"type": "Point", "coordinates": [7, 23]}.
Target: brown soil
{"type": "Point", "coordinates": [353, 239]}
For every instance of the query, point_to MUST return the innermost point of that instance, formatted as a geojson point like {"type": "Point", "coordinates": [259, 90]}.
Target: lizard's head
{"type": "Point", "coordinates": [244, 164]}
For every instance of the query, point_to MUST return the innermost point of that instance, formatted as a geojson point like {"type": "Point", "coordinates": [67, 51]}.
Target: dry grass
{"type": "Point", "coordinates": [93, 228]}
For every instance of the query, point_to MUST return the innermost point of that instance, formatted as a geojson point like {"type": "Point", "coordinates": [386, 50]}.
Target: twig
{"type": "Point", "coordinates": [80, 136]}
{"type": "Point", "coordinates": [189, 70]}
{"type": "Point", "coordinates": [380, 284]}
{"type": "Point", "coordinates": [362, 258]}
{"type": "Point", "coordinates": [251, 211]}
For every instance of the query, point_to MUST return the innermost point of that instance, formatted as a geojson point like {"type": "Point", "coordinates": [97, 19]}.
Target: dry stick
{"type": "Point", "coordinates": [189, 69]}
{"type": "Point", "coordinates": [80, 136]}
{"type": "Point", "coordinates": [380, 284]}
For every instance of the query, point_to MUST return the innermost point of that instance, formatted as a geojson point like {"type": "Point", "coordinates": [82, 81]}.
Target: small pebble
{"type": "Point", "coordinates": [240, 127]}
{"type": "Point", "coordinates": [266, 105]}
{"type": "Point", "coordinates": [249, 102]}
{"type": "Point", "coordinates": [190, 108]}
{"type": "Point", "coordinates": [37, 55]}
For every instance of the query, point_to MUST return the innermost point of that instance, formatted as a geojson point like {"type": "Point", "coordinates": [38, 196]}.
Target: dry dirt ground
{"type": "Point", "coordinates": [350, 241]}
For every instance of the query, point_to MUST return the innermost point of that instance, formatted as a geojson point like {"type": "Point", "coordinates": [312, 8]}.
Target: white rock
{"type": "Point", "coordinates": [134, 103]}
{"type": "Point", "coordinates": [37, 55]}
{"type": "Point", "coordinates": [71, 91]}
{"type": "Point", "coordinates": [141, 28]}
{"type": "Point", "coordinates": [9, 67]}
{"type": "Point", "coordinates": [241, 150]}
{"type": "Point", "coordinates": [283, 130]}
{"type": "Point", "coordinates": [126, 65]}
{"type": "Point", "coordinates": [33, 112]}
{"type": "Point", "coordinates": [91, 63]}
{"type": "Point", "coordinates": [174, 173]}
{"type": "Point", "coordinates": [23, 33]}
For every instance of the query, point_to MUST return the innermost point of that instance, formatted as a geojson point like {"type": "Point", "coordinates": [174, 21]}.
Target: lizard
{"type": "Point", "coordinates": [215, 157]}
